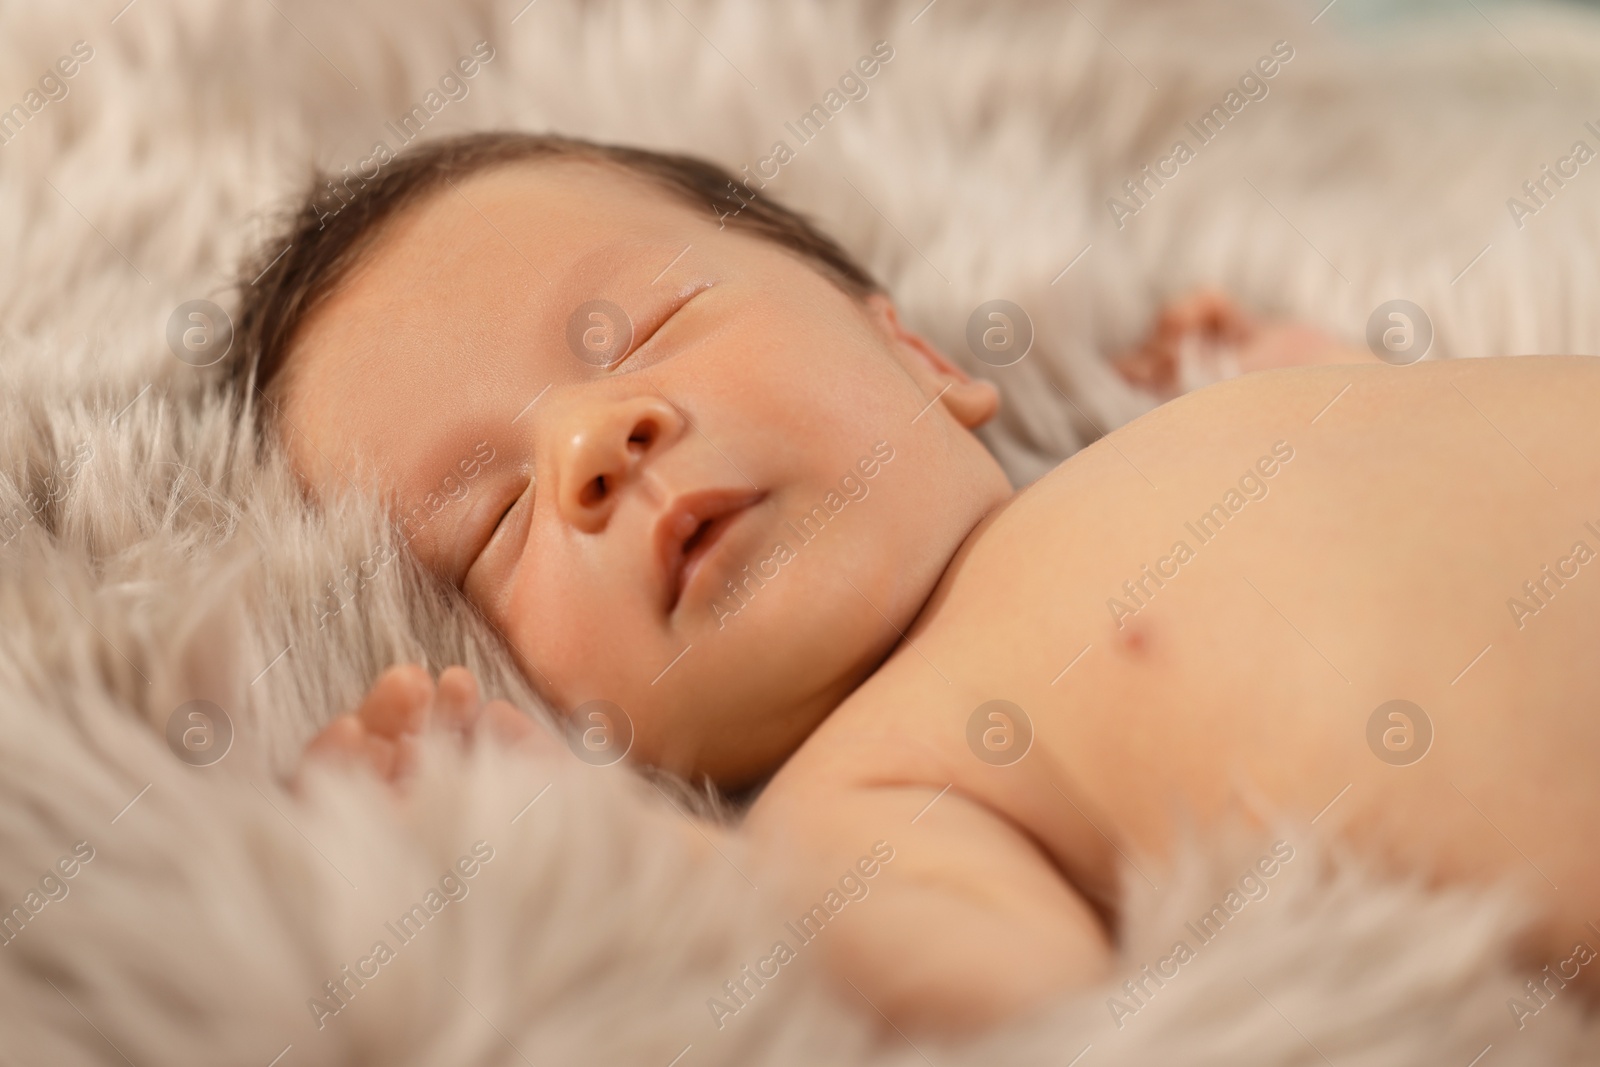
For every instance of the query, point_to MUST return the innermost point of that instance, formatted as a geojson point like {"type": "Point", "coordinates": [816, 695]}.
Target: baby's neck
{"type": "Point", "coordinates": [904, 636]}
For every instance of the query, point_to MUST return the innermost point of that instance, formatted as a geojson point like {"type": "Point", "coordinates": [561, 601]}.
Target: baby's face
{"type": "Point", "coordinates": [763, 429]}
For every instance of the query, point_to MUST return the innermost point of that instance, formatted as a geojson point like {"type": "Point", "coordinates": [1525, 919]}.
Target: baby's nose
{"type": "Point", "coordinates": [604, 449]}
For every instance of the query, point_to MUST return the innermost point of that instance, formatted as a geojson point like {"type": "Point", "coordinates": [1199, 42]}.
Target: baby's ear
{"type": "Point", "coordinates": [971, 401]}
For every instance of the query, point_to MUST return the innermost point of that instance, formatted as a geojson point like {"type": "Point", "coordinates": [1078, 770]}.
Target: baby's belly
{"type": "Point", "coordinates": [1381, 615]}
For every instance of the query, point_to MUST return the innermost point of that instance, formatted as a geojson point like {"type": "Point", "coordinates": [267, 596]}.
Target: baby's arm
{"type": "Point", "coordinates": [968, 924]}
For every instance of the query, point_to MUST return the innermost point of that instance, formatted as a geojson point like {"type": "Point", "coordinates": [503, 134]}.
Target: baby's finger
{"type": "Point", "coordinates": [405, 757]}
{"type": "Point", "coordinates": [381, 755]}
{"type": "Point", "coordinates": [459, 700]}
{"type": "Point", "coordinates": [1148, 366]}
{"type": "Point", "coordinates": [399, 701]}
{"type": "Point", "coordinates": [341, 741]}
{"type": "Point", "coordinates": [511, 727]}
{"type": "Point", "coordinates": [1206, 309]}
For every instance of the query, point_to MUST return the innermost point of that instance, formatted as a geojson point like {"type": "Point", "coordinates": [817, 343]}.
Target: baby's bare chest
{"type": "Point", "coordinates": [1306, 621]}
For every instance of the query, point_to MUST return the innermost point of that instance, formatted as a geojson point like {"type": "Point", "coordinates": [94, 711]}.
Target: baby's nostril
{"type": "Point", "coordinates": [594, 492]}
{"type": "Point", "coordinates": [643, 435]}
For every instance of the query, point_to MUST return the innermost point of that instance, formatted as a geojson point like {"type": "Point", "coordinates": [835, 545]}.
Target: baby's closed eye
{"type": "Point", "coordinates": [502, 530]}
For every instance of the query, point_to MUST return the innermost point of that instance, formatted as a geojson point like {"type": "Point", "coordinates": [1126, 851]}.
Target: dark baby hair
{"type": "Point", "coordinates": [321, 241]}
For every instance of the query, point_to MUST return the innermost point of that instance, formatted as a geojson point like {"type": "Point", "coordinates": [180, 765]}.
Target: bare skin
{"type": "Point", "coordinates": [1246, 684]}
{"type": "Point", "coordinates": [1375, 525]}
{"type": "Point", "coordinates": [384, 731]}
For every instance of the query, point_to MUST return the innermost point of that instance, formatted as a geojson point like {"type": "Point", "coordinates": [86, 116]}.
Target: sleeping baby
{"type": "Point", "coordinates": [719, 483]}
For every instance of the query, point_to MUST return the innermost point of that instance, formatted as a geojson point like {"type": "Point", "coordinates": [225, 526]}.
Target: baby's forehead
{"type": "Point", "coordinates": [570, 205]}
{"type": "Point", "coordinates": [558, 233]}
{"type": "Point", "coordinates": [562, 231]}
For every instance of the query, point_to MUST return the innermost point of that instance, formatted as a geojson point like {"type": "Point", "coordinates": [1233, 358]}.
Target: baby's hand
{"type": "Point", "coordinates": [1206, 337]}
{"type": "Point", "coordinates": [384, 732]}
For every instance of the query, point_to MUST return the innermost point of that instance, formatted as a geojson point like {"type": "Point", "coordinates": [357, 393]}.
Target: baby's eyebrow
{"type": "Point", "coordinates": [612, 260]}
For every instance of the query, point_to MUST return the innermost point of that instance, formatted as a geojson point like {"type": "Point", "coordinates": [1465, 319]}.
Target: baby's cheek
{"type": "Point", "coordinates": [573, 639]}
{"type": "Point", "coordinates": [527, 618]}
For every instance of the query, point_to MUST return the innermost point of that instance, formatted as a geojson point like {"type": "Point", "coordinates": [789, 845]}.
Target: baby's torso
{"type": "Point", "coordinates": [1213, 611]}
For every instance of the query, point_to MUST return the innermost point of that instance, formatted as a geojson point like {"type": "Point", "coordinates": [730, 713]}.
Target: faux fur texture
{"type": "Point", "coordinates": [146, 558]}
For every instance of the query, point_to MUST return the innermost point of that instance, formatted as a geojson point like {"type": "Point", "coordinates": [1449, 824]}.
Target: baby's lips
{"type": "Point", "coordinates": [688, 527]}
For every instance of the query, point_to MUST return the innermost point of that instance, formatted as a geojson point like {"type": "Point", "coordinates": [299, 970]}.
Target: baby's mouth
{"type": "Point", "coordinates": [690, 529]}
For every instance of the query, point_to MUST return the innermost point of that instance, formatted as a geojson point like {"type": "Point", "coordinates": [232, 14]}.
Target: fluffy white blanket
{"type": "Point", "coordinates": [161, 912]}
